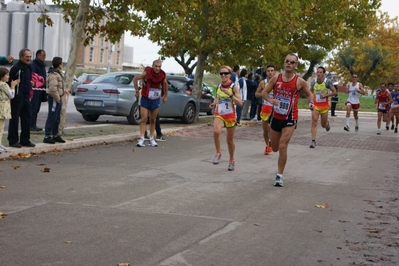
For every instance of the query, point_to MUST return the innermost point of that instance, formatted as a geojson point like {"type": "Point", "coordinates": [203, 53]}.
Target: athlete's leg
{"type": "Point", "coordinates": [286, 135]}
{"type": "Point", "coordinates": [324, 120]}
{"type": "Point", "coordinates": [275, 139]}
{"type": "Point", "coordinates": [230, 141]}
{"type": "Point", "coordinates": [153, 120]}
{"type": "Point", "coordinates": [143, 123]}
{"type": "Point", "coordinates": [218, 124]}
{"type": "Point", "coordinates": [315, 119]}
{"type": "Point", "coordinates": [379, 120]}
{"type": "Point", "coordinates": [266, 129]}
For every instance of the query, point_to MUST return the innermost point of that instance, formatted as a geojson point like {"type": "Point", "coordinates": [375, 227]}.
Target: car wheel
{"type": "Point", "coordinates": [90, 118]}
{"type": "Point", "coordinates": [189, 114]}
{"type": "Point", "coordinates": [134, 117]}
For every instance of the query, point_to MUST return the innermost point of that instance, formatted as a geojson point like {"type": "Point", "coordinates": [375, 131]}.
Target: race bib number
{"type": "Point", "coordinates": [319, 99]}
{"type": "Point", "coordinates": [283, 106]}
{"type": "Point", "coordinates": [225, 107]}
{"type": "Point", "coordinates": [353, 92]}
{"type": "Point", "coordinates": [381, 106]}
{"type": "Point", "coordinates": [154, 94]}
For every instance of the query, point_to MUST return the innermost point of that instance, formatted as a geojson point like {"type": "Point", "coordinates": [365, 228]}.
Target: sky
{"type": "Point", "coordinates": [146, 51]}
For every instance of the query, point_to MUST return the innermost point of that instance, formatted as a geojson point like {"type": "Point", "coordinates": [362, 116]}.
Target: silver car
{"type": "Point", "coordinates": [114, 94]}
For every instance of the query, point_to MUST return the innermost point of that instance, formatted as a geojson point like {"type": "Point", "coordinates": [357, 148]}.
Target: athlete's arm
{"type": "Point", "coordinates": [303, 85]}
{"type": "Point", "coordinates": [362, 90]}
{"type": "Point", "coordinates": [261, 86]}
{"type": "Point", "coordinates": [389, 99]}
{"type": "Point", "coordinates": [135, 82]}
{"type": "Point", "coordinates": [333, 91]}
{"type": "Point", "coordinates": [268, 89]}
{"type": "Point", "coordinates": [165, 91]}
{"type": "Point", "coordinates": [237, 96]}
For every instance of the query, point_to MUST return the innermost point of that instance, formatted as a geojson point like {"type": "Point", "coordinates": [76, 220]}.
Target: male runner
{"type": "Point", "coordinates": [267, 108]}
{"type": "Point", "coordinates": [286, 90]}
{"type": "Point", "coordinates": [354, 89]}
{"type": "Point", "coordinates": [383, 100]}
{"type": "Point", "coordinates": [321, 91]}
{"type": "Point", "coordinates": [153, 79]}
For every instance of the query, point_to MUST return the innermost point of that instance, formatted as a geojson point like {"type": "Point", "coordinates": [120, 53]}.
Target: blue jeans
{"type": "Point", "coordinates": [53, 116]}
{"type": "Point", "coordinates": [238, 112]}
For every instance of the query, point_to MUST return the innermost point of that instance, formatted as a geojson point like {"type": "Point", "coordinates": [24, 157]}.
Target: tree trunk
{"type": "Point", "coordinates": [77, 39]}
{"type": "Point", "coordinates": [199, 75]}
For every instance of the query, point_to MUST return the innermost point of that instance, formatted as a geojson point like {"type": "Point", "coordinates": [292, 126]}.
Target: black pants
{"type": "Point", "coordinates": [20, 109]}
{"type": "Point", "coordinates": [53, 116]}
{"type": "Point", "coordinates": [35, 104]}
{"type": "Point", "coordinates": [333, 105]}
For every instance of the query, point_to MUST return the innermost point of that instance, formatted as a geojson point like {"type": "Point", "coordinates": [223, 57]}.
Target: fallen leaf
{"type": "Point", "coordinates": [16, 167]}
{"type": "Point", "coordinates": [40, 164]}
{"type": "Point", "coordinates": [46, 170]}
{"type": "Point", "coordinates": [372, 230]}
{"type": "Point", "coordinates": [123, 264]}
{"type": "Point", "coordinates": [2, 186]}
{"type": "Point", "coordinates": [323, 206]}
{"type": "Point", "coordinates": [134, 150]}
{"type": "Point", "coordinates": [2, 215]}
{"type": "Point", "coordinates": [68, 242]}
{"type": "Point", "coordinates": [257, 224]}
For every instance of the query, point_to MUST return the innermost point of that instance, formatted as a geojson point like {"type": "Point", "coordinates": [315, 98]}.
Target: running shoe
{"type": "Point", "coordinates": [4, 148]}
{"type": "Point", "coordinates": [346, 128]}
{"type": "Point", "coordinates": [313, 144]}
{"type": "Point", "coordinates": [356, 128]}
{"type": "Point", "coordinates": [231, 165]}
{"type": "Point", "coordinates": [392, 127]}
{"type": "Point", "coordinates": [152, 143]}
{"type": "Point", "coordinates": [217, 158]}
{"type": "Point", "coordinates": [268, 150]}
{"type": "Point", "coordinates": [278, 182]}
{"type": "Point", "coordinates": [140, 143]}
{"type": "Point", "coordinates": [160, 138]}
{"type": "Point", "coordinates": [328, 126]}
{"type": "Point", "coordinates": [387, 127]}
{"type": "Point", "coordinates": [396, 130]}
{"type": "Point", "coordinates": [379, 132]}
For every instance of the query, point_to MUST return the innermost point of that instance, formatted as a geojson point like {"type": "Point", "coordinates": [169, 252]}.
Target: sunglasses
{"type": "Point", "coordinates": [224, 73]}
{"type": "Point", "coordinates": [289, 61]}
{"type": "Point", "coordinates": [354, 77]}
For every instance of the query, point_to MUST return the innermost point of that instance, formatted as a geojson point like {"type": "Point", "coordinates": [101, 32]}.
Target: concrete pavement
{"type": "Point", "coordinates": [171, 206]}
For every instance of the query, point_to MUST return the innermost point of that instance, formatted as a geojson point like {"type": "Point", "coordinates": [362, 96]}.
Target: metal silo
{"type": "Point", "coordinates": [5, 33]}
{"type": "Point", "coordinates": [19, 32]}
{"type": "Point", "coordinates": [35, 32]}
{"type": "Point", "coordinates": [65, 40]}
{"type": "Point", "coordinates": [15, 6]}
{"type": "Point", "coordinates": [52, 36]}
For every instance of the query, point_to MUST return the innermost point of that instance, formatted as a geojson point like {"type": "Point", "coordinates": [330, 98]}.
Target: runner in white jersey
{"type": "Point", "coordinates": [353, 103]}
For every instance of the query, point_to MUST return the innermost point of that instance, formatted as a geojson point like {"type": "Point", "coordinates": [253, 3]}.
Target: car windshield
{"type": "Point", "coordinates": [120, 78]}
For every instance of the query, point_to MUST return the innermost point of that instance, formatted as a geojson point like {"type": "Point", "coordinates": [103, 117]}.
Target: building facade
{"type": "Point", "coordinates": [20, 29]}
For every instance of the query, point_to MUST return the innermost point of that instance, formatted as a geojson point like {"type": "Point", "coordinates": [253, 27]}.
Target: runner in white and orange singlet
{"type": "Point", "coordinates": [286, 90]}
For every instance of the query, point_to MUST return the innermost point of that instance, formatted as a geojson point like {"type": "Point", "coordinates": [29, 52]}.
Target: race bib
{"type": "Point", "coordinates": [381, 106]}
{"type": "Point", "coordinates": [353, 92]}
{"type": "Point", "coordinates": [154, 94]}
{"type": "Point", "coordinates": [225, 107]}
{"type": "Point", "coordinates": [319, 99]}
{"type": "Point", "coordinates": [283, 106]}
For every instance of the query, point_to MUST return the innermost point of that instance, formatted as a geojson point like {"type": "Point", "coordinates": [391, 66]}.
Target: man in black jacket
{"type": "Point", "coordinates": [20, 105]}
{"type": "Point", "coordinates": [39, 67]}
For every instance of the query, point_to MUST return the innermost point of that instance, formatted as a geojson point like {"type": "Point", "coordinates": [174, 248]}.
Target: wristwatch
{"type": "Point", "coordinates": [231, 96]}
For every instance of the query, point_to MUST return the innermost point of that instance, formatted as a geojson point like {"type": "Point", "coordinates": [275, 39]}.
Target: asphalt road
{"type": "Point", "coordinates": [169, 205]}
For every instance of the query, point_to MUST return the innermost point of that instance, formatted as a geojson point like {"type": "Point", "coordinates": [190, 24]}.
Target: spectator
{"type": "Point", "coordinates": [6, 60]}
{"type": "Point", "coordinates": [20, 105]}
{"type": "Point", "coordinates": [334, 100]}
{"type": "Point", "coordinates": [55, 93]}
{"type": "Point", "coordinates": [6, 93]}
{"type": "Point", "coordinates": [39, 94]}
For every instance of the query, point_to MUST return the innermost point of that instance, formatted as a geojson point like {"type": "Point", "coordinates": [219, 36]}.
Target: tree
{"type": "Point", "coordinates": [373, 58]}
{"type": "Point", "coordinates": [110, 18]}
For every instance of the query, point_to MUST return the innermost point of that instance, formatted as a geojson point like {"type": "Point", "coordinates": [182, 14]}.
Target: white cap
{"type": "Point", "coordinates": [335, 83]}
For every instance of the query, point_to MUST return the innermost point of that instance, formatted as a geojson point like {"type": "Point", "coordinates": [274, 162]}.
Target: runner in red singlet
{"type": "Point", "coordinates": [286, 90]}
{"type": "Point", "coordinates": [383, 100]}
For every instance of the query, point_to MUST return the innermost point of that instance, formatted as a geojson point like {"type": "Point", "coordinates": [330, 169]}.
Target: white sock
{"type": "Point", "coordinates": [357, 122]}
{"type": "Point", "coordinates": [347, 121]}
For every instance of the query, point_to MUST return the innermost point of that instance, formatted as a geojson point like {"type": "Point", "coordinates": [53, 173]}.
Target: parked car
{"type": "Point", "coordinates": [83, 79]}
{"type": "Point", "coordinates": [185, 84]}
{"type": "Point", "coordinates": [114, 94]}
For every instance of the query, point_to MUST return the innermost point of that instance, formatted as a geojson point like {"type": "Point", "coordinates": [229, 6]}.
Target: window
{"type": "Point", "coordinates": [102, 41]}
{"type": "Point", "coordinates": [101, 55]}
{"type": "Point", "coordinates": [91, 54]}
{"type": "Point", "coordinates": [118, 54]}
